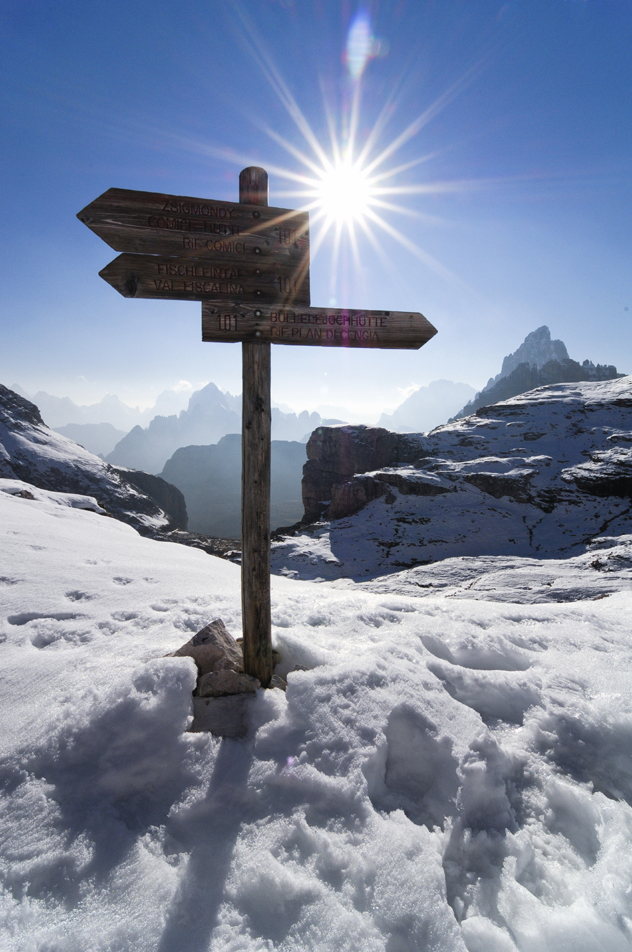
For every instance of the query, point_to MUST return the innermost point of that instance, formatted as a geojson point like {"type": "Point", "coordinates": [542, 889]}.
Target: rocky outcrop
{"type": "Point", "coordinates": [41, 457]}
{"type": "Point", "coordinates": [542, 474]}
{"type": "Point", "coordinates": [336, 453]}
{"type": "Point", "coordinates": [219, 662]}
{"type": "Point", "coordinates": [167, 496]}
{"type": "Point", "coordinates": [527, 377]}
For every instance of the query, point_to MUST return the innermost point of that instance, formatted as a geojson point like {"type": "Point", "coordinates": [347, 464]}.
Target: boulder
{"type": "Point", "coordinates": [213, 649]}
{"type": "Point", "coordinates": [225, 681]}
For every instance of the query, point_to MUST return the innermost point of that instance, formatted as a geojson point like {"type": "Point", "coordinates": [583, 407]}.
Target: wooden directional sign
{"type": "Point", "coordinates": [156, 224]}
{"type": "Point", "coordinates": [211, 278]}
{"type": "Point", "coordinates": [249, 265]}
{"type": "Point", "coordinates": [316, 326]}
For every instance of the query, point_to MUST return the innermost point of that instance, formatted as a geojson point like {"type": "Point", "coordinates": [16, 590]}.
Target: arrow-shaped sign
{"type": "Point", "coordinates": [315, 326]}
{"type": "Point", "coordinates": [214, 278]}
{"type": "Point", "coordinates": [157, 224]}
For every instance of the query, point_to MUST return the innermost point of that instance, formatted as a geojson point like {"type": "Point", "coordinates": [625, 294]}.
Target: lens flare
{"type": "Point", "coordinates": [344, 192]}
{"type": "Point", "coordinates": [361, 44]}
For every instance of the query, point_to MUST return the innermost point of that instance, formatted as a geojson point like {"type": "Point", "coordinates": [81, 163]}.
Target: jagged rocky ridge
{"type": "Point", "coordinates": [210, 415]}
{"type": "Point", "coordinates": [538, 362]}
{"type": "Point", "coordinates": [544, 475]}
{"type": "Point", "coordinates": [32, 452]}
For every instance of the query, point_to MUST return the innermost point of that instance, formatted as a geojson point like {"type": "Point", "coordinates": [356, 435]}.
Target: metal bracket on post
{"type": "Point", "coordinates": [255, 480]}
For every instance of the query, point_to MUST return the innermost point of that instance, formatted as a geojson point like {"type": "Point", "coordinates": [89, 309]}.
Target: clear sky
{"type": "Point", "coordinates": [517, 215]}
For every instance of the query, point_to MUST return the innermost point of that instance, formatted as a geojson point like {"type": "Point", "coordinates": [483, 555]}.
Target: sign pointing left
{"type": "Point", "coordinates": [157, 224]}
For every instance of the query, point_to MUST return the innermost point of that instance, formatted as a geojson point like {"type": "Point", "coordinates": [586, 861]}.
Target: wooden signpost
{"type": "Point", "coordinates": [249, 265]}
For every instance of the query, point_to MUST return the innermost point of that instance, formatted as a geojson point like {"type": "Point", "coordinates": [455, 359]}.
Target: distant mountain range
{"type": "Point", "coordinates": [428, 407]}
{"type": "Point", "coordinates": [98, 438]}
{"type": "Point", "coordinates": [210, 479]}
{"type": "Point", "coordinates": [61, 411]}
{"type": "Point", "coordinates": [210, 415]}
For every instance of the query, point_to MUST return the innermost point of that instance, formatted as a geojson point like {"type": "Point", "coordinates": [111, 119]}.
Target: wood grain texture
{"type": "Point", "coordinates": [316, 326]}
{"type": "Point", "coordinates": [220, 278]}
{"type": "Point", "coordinates": [255, 482]}
{"type": "Point", "coordinates": [153, 223]}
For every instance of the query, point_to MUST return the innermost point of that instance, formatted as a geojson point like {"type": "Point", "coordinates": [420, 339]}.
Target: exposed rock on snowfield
{"type": "Point", "coordinates": [212, 648]}
{"type": "Point", "coordinates": [219, 662]}
{"type": "Point", "coordinates": [543, 474]}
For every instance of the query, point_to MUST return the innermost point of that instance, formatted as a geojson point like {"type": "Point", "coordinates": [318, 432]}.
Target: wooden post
{"type": "Point", "coordinates": [255, 480]}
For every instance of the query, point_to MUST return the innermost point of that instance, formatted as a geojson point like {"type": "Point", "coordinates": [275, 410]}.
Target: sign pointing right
{"type": "Point", "coordinates": [315, 326]}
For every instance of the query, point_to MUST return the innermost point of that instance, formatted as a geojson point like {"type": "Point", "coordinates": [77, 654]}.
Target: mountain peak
{"type": "Point", "coordinates": [536, 350]}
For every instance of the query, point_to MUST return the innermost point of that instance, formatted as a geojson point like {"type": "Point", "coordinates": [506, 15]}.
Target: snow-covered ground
{"type": "Point", "coordinates": [448, 774]}
{"type": "Point", "coordinates": [543, 475]}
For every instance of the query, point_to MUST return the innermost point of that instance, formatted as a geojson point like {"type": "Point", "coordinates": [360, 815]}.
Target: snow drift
{"type": "Point", "coordinates": [448, 775]}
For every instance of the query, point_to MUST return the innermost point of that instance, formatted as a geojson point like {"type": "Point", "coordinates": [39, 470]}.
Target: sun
{"type": "Point", "coordinates": [344, 193]}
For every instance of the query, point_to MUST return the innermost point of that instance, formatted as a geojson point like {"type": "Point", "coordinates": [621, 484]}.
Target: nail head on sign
{"type": "Point", "coordinates": [258, 334]}
{"type": "Point", "coordinates": [257, 314]}
{"type": "Point", "coordinates": [256, 214]}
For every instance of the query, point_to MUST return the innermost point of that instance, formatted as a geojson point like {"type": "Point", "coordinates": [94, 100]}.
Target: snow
{"type": "Point", "coordinates": [30, 450]}
{"type": "Point", "coordinates": [540, 475]}
{"type": "Point", "coordinates": [449, 774]}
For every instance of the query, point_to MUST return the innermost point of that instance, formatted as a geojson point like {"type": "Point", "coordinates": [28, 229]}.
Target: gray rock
{"type": "Point", "coordinates": [223, 716]}
{"type": "Point", "coordinates": [213, 649]}
{"type": "Point", "coordinates": [225, 681]}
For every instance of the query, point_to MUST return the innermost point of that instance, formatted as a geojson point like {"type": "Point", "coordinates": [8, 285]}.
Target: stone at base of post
{"type": "Point", "coordinates": [222, 716]}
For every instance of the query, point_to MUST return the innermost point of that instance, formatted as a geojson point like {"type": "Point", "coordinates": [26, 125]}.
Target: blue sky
{"type": "Point", "coordinates": [528, 107]}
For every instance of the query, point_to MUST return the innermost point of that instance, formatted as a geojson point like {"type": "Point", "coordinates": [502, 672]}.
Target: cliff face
{"type": "Point", "coordinates": [210, 478]}
{"type": "Point", "coordinates": [336, 453]}
{"type": "Point", "coordinates": [543, 474]}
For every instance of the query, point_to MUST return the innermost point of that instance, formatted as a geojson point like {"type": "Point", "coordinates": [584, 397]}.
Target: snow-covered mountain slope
{"type": "Point", "coordinates": [30, 451]}
{"type": "Point", "coordinates": [447, 775]}
{"type": "Point", "coordinates": [604, 569]}
{"type": "Point", "coordinates": [541, 474]}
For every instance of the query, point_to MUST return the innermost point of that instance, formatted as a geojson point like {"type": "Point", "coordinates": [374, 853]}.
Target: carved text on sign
{"type": "Point", "coordinates": [153, 223]}
{"type": "Point", "coordinates": [315, 326]}
{"type": "Point", "coordinates": [218, 278]}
